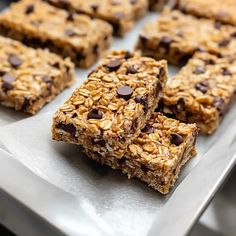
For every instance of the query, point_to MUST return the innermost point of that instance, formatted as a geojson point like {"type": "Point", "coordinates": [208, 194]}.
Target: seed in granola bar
{"type": "Point", "coordinates": [70, 32]}
{"type": "Point", "coordinates": [224, 43]}
{"type": "Point", "coordinates": [226, 72]}
{"type": "Point", "coordinates": [125, 92]}
{"type": "Point", "coordinates": [29, 9]}
{"type": "Point", "coordinates": [202, 86]}
{"type": "Point", "coordinates": [219, 104]}
{"type": "Point", "coordinates": [95, 114]}
{"type": "Point", "coordinates": [94, 7]}
{"type": "Point", "coordinates": [69, 128]}
{"type": "Point", "coordinates": [7, 81]}
{"type": "Point", "coordinates": [143, 100]}
{"type": "Point", "coordinates": [176, 139]}
{"type": "Point", "coordinates": [148, 129]}
{"type": "Point", "coordinates": [131, 70]}
{"type": "Point", "coordinates": [199, 70]}
{"type": "Point", "coordinates": [113, 65]}
{"type": "Point", "coordinates": [14, 60]}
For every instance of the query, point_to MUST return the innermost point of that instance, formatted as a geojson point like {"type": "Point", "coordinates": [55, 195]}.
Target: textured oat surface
{"type": "Point", "coordinates": [202, 90]}
{"type": "Point", "coordinates": [30, 78]}
{"type": "Point", "coordinates": [39, 24]}
{"type": "Point", "coordinates": [117, 119]}
{"type": "Point", "coordinates": [176, 36]}
{"type": "Point", "coordinates": [223, 11]}
{"type": "Point", "coordinates": [122, 14]}
{"type": "Point", "coordinates": [155, 156]}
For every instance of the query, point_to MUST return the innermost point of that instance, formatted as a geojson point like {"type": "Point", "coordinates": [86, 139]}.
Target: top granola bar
{"type": "Point", "coordinates": [223, 11]}
{"type": "Point", "coordinates": [113, 104]}
{"type": "Point", "coordinates": [39, 24]}
{"type": "Point", "coordinates": [176, 37]}
{"type": "Point", "coordinates": [120, 13]}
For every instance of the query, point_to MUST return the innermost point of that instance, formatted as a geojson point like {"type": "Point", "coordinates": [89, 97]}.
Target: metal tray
{"type": "Point", "coordinates": [49, 188]}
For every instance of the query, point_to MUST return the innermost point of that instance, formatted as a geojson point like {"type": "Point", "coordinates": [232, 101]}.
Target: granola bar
{"type": "Point", "coordinates": [201, 92]}
{"type": "Point", "coordinates": [176, 37]}
{"type": "Point", "coordinates": [213, 9]}
{"type": "Point", "coordinates": [157, 5]}
{"type": "Point", "coordinates": [121, 14]}
{"type": "Point", "coordinates": [39, 24]}
{"type": "Point", "coordinates": [157, 154]}
{"type": "Point", "coordinates": [113, 104]}
{"type": "Point", "coordinates": [30, 78]}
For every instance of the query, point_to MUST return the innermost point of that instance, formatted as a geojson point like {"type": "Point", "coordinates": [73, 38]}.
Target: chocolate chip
{"type": "Point", "coordinates": [2, 73]}
{"type": "Point", "coordinates": [162, 73]}
{"type": "Point", "coordinates": [143, 39]}
{"type": "Point", "coordinates": [122, 160]}
{"type": "Point", "coordinates": [233, 35]}
{"type": "Point", "coordinates": [14, 60]}
{"type": "Point", "coordinates": [199, 70]}
{"type": "Point", "coordinates": [95, 49]}
{"type": "Point", "coordinates": [47, 79]}
{"type": "Point", "coordinates": [70, 16]}
{"type": "Point", "coordinates": [29, 9]}
{"type": "Point", "coordinates": [217, 24]}
{"type": "Point", "coordinates": [125, 92]}
{"type": "Point", "coordinates": [165, 43]}
{"type": "Point", "coordinates": [95, 114]}
{"type": "Point", "coordinates": [100, 142]}
{"type": "Point", "coordinates": [7, 80]}
{"type": "Point", "coordinates": [144, 168]}
{"type": "Point", "coordinates": [202, 86]}
{"type": "Point", "coordinates": [128, 55]}
{"type": "Point", "coordinates": [143, 100]}
{"type": "Point", "coordinates": [69, 32]}
{"type": "Point", "coordinates": [210, 62]}
{"type": "Point", "coordinates": [26, 104]}
{"type": "Point", "coordinates": [113, 65]}
{"type": "Point", "coordinates": [226, 72]}
{"type": "Point", "coordinates": [69, 128]}
{"type": "Point", "coordinates": [56, 64]}
{"type": "Point", "coordinates": [94, 7]}
{"type": "Point", "coordinates": [219, 104]}
{"type": "Point", "coordinates": [224, 43]}
{"type": "Point", "coordinates": [118, 15]}
{"type": "Point", "coordinates": [133, 2]}
{"type": "Point", "coordinates": [131, 70]}
{"type": "Point", "coordinates": [176, 139]}
{"type": "Point", "coordinates": [148, 129]}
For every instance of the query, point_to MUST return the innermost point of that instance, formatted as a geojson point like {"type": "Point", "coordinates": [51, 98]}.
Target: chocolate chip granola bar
{"type": "Point", "coordinates": [121, 14]}
{"type": "Point", "coordinates": [222, 11]}
{"type": "Point", "coordinates": [201, 92]}
{"type": "Point", "coordinates": [113, 104]}
{"type": "Point", "coordinates": [30, 78]}
{"type": "Point", "coordinates": [176, 37]}
{"type": "Point", "coordinates": [157, 154]}
{"type": "Point", "coordinates": [39, 24]}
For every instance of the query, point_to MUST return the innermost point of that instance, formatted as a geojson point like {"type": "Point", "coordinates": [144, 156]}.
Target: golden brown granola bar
{"type": "Point", "coordinates": [121, 14]}
{"type": "Point", "coordinates": [201, 92]}
{"type": "Point", "coordinates": [30, 78]}
{"type": "Point", "coordinates": [222, 11]}
{"type": "Point", "coordinates": [157, 154]}
{"type": "Point", "coordinates": [113, 104]}
{"type": "Point", "coordinates": [39, 24]}
{"type": "Point", "coordinates": [176, 37]}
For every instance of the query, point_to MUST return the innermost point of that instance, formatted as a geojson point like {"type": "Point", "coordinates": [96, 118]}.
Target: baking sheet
{"type": "Point", "coordinates": [127, 207]}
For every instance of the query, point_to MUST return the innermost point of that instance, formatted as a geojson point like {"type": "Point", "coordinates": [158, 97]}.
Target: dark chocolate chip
{"type": "Point", "coordinates": [95, 114]}
{"type": "Point", "coordinates": [131, 70]}
{"type": "Point", "coordinates": [165, 43]}
{"type": "Point", "coordinates": [100, 142]}
{"type": "Point", "coordinates": [26, 104]}
{"type": "Point", "coordinates": [202, 86]}
{"type": "Point", "coordinates": [226, 72]}
{"type": "Point", "coordinates": [143, 100]}
{"type": "Point", "coordinates": [199, 70]}
{"type": "Point", "coordinates": [94, 7]}
{"type": "Point", "coordinates": [184, 59]}
{"type": "Point", "coordinates": [125, 92]}
{"type": "Point", "coordinates": [70, 32]}
{"type": "Point", "coordinates": [69, 128]}
{"type": "Point", "coordinates": [70, 16]}
{"type": "Point", "coordinates": [79, 56]}
{"type": "Point", "coordinates": [2, 73]}
{"type": "Point", "coordinates": [47, 79]}
{"type": "Point", "coordinates": [133, 2]}
{"type": "Point", "coordinates": [210, 62]}
{"type": "Point", "coordinates": [118, 15]}
{"type": "Point", "coordinates": [162, 72]}
{"type": "Point", "coordinates": [233, 35]}
{"type": "Point", "coordinates": [128, 55]}
{"type": "Point", "coordinates": [14, 60]}
{"type": "Point", "coordinates": [56, 64]}
{"type": "Point", "coordinates": [95, 49]}
{"type": "Point", "coordinates": [224, 43]}
{"type": "Point", "coordinates": [143, 39]}
{"type": "Point", "coordinates": [148, 129]}
{"type": "Point", "coordinates": [113, 65]}
{"type": "Point", "coordinates": [7, 80]}
{"type": "Point", "coordinates": [217, 24]}
{"type": "Point", "coordinates": [29, 9]}
{"type": "Point", "coordinates": [122, 160]}
{"type": "Point", "coordinates": [219, 104]}
{"type": "Point", "coordinates": [176, 139]}
{"type": "Point", "coordinates": [144, 168]}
